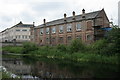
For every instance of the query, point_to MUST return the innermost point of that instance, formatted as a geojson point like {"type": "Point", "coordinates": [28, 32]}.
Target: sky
{"type": "Point", "coordinates": [29, 11]}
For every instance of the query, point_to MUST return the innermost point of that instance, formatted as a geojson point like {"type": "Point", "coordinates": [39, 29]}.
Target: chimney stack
{"type": "Point", "coordinates": [33, 24]}
{"type": "Point", "coordinates": [83, 13]}
{"type": "Point", "coordinates": [44, 21]}
{"type": "Point", "coordinates": [73, 15]}
{"type": "Point", "coordinates": [65, 16]}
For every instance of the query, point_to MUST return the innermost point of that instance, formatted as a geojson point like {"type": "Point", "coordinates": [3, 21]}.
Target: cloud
{"type": "Point", "coordinates": [13, 11]}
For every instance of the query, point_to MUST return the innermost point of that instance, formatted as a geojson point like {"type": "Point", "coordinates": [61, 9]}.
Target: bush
{"type": "Point", "coordinates": [61, 47]}
{"type": "Point", "coordinates": [77, 45]}
{"type": "Point", "coordinates": [27, 47]}
{"type": "Point", "coordinates": [99, 46]}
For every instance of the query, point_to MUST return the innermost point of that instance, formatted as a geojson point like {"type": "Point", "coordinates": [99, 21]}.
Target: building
{"type": "Point", "coordinates": [119, 13]}
{"type": "Point", "coordinates": [18, 33]}
{"type": "Point", "coordinates": [86, 27]}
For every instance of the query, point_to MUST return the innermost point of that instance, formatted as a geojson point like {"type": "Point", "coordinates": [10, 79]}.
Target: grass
{"type": "Point", "coordinates": [62, 52]}
{"type": "Point", "coordinates": [12, 49]}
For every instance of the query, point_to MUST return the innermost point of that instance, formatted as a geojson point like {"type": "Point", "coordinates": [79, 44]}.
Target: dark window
{"type": "Point", "coordinates": [69, 38]}
{"type": "Point", "coordinates": [60, 39]}
{"type": "Point", "coordinates": [78, 37]}
{"type": "Point", "coordinates": [24, 30]}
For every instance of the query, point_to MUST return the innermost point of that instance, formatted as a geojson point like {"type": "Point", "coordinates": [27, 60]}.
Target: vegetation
{"type": "Point", "coordinates": [102, 51]}
{"type": "Point", "coordinates": [12, 49]}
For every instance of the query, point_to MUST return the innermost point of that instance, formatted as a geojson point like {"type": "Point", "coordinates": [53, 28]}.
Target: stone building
{"type": "Point", "coordinates": [19, 33]}
{"type": "Point", "coordinates": [86, 27]}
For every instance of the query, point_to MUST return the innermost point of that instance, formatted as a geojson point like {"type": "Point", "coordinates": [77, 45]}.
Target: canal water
{"type": "Point", "coordinates": [55, 68]}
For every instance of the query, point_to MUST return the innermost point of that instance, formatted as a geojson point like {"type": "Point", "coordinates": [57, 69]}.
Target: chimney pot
{"type": "Point", "coordinates": [65, 16]}
{"type": "Point", "coordinates": [73, 15]}
{"type": "Point", "coordinates": [83, 11]}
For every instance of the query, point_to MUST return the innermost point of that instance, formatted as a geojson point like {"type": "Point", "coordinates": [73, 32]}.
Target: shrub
{"type": "Point", "coordinates": [77, 45]}
{"type": "Point", "coordinates": [61, 47]}
{"type": "Point", "coordinates": [27, 47]}
{"type": "Point", "coordinates": [99, 46]}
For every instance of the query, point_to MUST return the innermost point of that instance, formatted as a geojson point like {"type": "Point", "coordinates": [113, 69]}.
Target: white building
{"type": "Point", "coordinates": [19, 33]}
{"type": "Point", "coordinates": [119, 13]}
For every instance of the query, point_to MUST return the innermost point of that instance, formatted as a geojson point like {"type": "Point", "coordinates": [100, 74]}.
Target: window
{"type": "Point", "coordinates": [69, 38]}
{"type": "Point", "coordinates": [47, 30]}
{"type": "Point", "coordinates": [60, 29]}
{"type": "Point", "coordinates": [69, 27]}
{"type": "Point", "coordinates": [24, 30]}
{"type": "Point", "coordinates": [53, 40]}
{"type": "Point", "coordinates": [47, 39]}
{"type": "Point", "coordinates": [89, 25]}
{"type": "Point", "coordinates": [16, 37]}
{"type": "Point", "coordinates": [41, 31]}
{"type": "Point", "coordinates": [89, 37]}
{"type": "Point", "coordinates": [78, 37]}
{"type": "Point", "coordinates": [78, 26]}
{"type": "Point", "coordinates": [17, 29]}
{"type": "Point", "coordinates": [19, 36]}
{"type": "Point", "coordinates": [60, 39]}
{"type": "Point", "coordinates": [53, 30]}
{"type": "Point", "coordinates": [25, 36]}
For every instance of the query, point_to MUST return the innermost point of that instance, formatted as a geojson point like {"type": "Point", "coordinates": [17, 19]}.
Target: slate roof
{"type": "Point", "coordinates": [90, 15]}
{"type": "Point", "coordinates": [23, 25]}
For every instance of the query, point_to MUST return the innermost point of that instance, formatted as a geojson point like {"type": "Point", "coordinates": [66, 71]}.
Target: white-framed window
{"type": "Point", "coordinates": [60, 29]}
{"type": "Point", "coordinates": [69, 28]}
{"type": "Point", "coordinates": [53, 30]}
{"type": "Point", "coordinates": [78, 26]}
{"type": "Point", "coordinates": [47, 30]}
{"type": "Point", "coordinates": [41, 31]}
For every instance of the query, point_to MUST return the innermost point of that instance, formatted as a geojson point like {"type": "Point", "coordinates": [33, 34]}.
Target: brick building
{"type": "Point", "coordinates": [86, 27]}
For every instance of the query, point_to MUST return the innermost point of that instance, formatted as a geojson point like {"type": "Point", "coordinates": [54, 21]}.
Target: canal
{"type": "Point", "coordinates": [55, 68]}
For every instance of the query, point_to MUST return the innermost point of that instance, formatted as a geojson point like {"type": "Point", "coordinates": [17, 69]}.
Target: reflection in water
{"type": "Point", "coordinates": [51, 68]}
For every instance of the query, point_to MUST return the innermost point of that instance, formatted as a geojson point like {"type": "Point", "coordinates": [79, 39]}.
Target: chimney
{"type": "Point", "coordinates": [33, 24]}
{"type": "Point", "coordinates": [83, 13]}
{"type": "Point", "coordinates": [65, 16]}
{"type": "Point", "coordinates": [44, 21]}
{"type": "Point", "coordinates": [73, 15]}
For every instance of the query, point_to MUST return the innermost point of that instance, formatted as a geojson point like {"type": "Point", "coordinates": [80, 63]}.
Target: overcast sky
{"type": "Point", "coordinates": [29, 11]}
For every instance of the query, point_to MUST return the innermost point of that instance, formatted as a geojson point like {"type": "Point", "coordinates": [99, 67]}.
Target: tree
{"type": "Point", "coordinates": [114, 38]}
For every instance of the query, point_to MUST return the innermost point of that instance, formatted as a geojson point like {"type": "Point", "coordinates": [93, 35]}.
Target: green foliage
{"type": "Point", "coordinates": [61, 47]}
{"type": "Point", "coordinates": [114, 38]}
{"type": "Point", "coordinates": [77, 45]}
{"type": "Point", "coordinates": [99, 46]}
{"type": "Point", "coordinates": [12, 49]}
{"type": "Point", "coordinates": [27, 47]}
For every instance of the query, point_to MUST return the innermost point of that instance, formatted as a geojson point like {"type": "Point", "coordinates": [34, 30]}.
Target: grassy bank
{"type": "Point", "coordinates": [77, 51]}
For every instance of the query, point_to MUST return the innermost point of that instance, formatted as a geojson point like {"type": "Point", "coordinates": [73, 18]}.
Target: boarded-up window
{"type": "Point", "coordinates": [89, 25]}
{"type": "Point", "coordinates": [60, 39]}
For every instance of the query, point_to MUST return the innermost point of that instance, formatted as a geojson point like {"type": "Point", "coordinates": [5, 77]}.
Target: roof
{"type": "Point", "coordinates": [90, 15]}
{"type": "Point", "coordinates": [20, 24]}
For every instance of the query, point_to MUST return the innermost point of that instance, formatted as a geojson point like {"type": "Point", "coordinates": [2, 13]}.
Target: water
{"type": "Point", "coordinates": [54, 68]}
